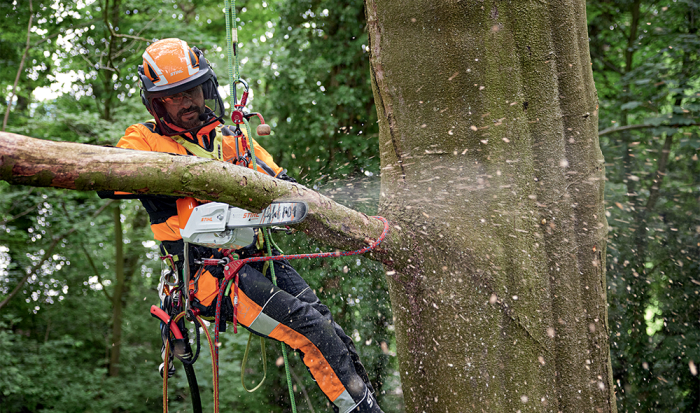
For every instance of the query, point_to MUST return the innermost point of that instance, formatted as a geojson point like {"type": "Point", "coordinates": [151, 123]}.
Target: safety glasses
{"type": "Point", "coordinates": [178, 98]}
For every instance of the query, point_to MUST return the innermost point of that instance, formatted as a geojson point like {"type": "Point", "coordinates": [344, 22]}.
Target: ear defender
{"type": "Point", "coordinates": [158, 108]}
{"type": "Point", "coordinates": [145, 101]}
{"type": "Point", "coordinates": [141, 92]}
{"type": "Point", "coordinates": [209, 89]}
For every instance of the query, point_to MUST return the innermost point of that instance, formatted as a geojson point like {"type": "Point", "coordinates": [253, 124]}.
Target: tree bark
{"type": "Point", "coordinates": [491, 167]}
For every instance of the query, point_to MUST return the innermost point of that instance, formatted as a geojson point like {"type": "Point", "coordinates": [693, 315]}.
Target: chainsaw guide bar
{"type": "Point", "coordinates": [277, 213]}
{"type": "Point", "coordinates": [219, 225]}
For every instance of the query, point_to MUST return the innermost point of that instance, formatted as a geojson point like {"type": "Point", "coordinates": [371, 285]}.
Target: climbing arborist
{"type": "Point", "coordinates": [179, 89]}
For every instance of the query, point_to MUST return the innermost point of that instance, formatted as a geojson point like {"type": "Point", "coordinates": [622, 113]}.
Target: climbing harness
{"type": "Point", "coordinates": [232, 265]}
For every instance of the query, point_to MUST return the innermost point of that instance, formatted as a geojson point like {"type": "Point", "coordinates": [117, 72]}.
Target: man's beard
{"type": "Point", "coordinates": [192, 123]}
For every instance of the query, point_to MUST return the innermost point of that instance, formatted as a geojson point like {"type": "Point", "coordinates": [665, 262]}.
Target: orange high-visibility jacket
{"type": "Point", "coordinates": [215, 141]}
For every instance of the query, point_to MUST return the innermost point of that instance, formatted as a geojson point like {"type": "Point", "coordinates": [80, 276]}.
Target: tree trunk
{"type": "Point", "coordinates": [491, 168]}
{"type": "Point", "coordinates": [127, 257]}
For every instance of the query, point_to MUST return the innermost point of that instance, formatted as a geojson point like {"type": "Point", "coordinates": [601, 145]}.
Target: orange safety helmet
{"type": "Point", "coordinates": [170, 66]}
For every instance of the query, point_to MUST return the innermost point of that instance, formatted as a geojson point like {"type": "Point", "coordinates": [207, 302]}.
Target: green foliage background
{"type": "Point", "coordinates": [645, 63]}
{"type": "Point", "coordinates": [307, 63]}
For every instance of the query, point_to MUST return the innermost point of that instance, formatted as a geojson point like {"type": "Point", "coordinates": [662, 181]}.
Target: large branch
{"type": "Point", "coordinates": [43, 163]}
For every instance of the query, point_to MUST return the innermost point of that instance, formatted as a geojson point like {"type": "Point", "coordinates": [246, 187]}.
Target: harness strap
{"type": "Point", "coordinates": [217, 144]}
{"type": "Point", "coordinates": [217, 147]}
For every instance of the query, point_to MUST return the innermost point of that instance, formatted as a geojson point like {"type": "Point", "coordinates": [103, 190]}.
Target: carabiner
{"type": "Point", "coordinates": [237, 110]}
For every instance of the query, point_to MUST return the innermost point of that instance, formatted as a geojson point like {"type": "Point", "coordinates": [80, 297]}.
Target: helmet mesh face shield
{"type": "Point", "coordinates": [179, 88]}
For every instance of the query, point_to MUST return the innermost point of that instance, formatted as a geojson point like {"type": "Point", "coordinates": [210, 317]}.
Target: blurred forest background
{"type": "Point", "coordinates": [78, 274]}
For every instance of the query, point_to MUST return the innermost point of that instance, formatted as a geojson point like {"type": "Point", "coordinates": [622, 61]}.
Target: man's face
{"type": "Point", "coordinates": [185, 107]}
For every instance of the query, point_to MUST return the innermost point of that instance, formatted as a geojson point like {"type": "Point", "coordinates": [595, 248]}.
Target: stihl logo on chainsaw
{"type": "Point", "coordinates": [251, 215]}
{"type": "Point", "coordinates": [207, 219]}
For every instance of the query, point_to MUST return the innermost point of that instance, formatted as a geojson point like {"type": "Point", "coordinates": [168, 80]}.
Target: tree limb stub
{"type": "Point", "coordinates": [614, 129]}
{"type": "Point", "coordinates": [44, 163]}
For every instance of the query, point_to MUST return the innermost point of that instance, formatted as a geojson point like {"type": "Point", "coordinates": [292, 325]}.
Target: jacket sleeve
{"type": "Point", "coordinates": [134, 139]}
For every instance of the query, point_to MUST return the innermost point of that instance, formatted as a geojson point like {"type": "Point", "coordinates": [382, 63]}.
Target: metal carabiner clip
{"type": "Point", "coordinates": [237, 110]}
{"type": "Point", "coordinates": [244, 98]}
{"type": "Point", "coordinates": [168, 276]}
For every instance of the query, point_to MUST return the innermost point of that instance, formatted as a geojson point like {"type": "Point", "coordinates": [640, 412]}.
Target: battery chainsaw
{"type": "Point", "coordinates": [219, 225]}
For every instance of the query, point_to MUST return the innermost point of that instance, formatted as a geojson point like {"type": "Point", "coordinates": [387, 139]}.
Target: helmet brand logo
{"type": "Point", "coordinates": [177, 72]}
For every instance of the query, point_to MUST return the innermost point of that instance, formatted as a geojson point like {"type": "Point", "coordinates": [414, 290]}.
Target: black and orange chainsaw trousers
{"type": "Point", "coordinates": [291, 312]}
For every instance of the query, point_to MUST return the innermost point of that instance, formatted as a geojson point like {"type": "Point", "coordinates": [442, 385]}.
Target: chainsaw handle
{"type": "Point", "coordinates": [158, 313]}
{"type": "Point", "coordinates": [184, 210]}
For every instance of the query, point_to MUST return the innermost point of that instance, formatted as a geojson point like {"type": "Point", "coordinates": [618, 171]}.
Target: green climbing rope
{"type": "Point", "coordinates": [231, 40]}
{"type": "Point", "coordinates": [234, 67]}
{"type": "Point", "coordinates": [244, 361]}
{"type": "Point", "coordinates": [268, 242]}
{"type": "Point", "coordinates": [234, 77]}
